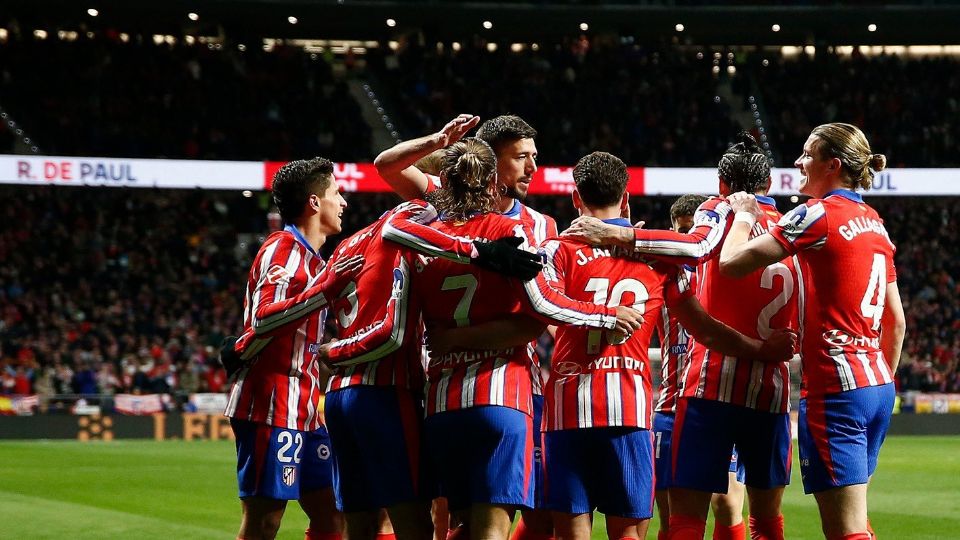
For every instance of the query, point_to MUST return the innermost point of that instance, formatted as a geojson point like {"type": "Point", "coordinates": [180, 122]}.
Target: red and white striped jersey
{"type": "Point", "coordinates": [599, 378]}
{"type": "Point", "coordinates": [845, 263]}
{"type": "Point", "coordinates": [283, 326]}
{"type": "Point", "coordinates": [674, 342]}
{"type": "Point", "coordinates": [537, 227]}
{"type": "Point", "coordinates": [754, 305]}
{"type": "Point", "coordinates": [464, 295]}
{"type": "Point", "coordinates": [379, 327]}
{"type": "Point", "coordinates": [711, 222]}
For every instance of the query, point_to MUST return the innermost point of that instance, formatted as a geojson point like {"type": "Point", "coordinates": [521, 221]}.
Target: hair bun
{"type": "Point", "coordinates": [878, 162]}
{"type": "Point", "coordinates": [745, 144]}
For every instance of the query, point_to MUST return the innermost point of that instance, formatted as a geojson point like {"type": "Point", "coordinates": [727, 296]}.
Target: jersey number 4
{"type": "Point", "coordinates": [876, 289]}
{"type": "Point", "coordinates": [600, 287]}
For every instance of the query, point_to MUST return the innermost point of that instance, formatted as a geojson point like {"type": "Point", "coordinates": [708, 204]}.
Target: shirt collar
{"type": "Point", "coordinates": [617, 221]}
{"type": "Point", "coordinates": [846, 194]}
{"type": "Point", "coordinates": [514, 210]}
{"type": "Point", "coordinates": [303, 241]}
{"type": "Point", "coordinates": [763, 199]}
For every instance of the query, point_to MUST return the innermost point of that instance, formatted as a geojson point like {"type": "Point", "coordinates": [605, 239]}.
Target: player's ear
{"type": "Point", "coordinates": [625, 201]}
{"type": "Point", "coordinates": [577, 201]}
{"type": "Point", "coordinates": [724, 187]}
{"type": "Point", "coordinates": [769, 183]}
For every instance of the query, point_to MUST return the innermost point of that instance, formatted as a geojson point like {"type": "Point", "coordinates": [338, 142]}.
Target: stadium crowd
{"type": "Point", "coordinates": [909, 107]}
{"type": "Point", "coordinates": [141, 99]}
{"type": "Point", "coordinates": [668, 109]}
{"type": "Point", "coordinates": [665, 113]}
{"type": "Point", "coordinates": [108, 291]}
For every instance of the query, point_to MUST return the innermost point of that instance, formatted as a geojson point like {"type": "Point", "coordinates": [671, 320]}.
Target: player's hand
{"type": "Point", "coordinates": [229, 358]}
{"type": "Point", "coordinates": [456, 129]}
{"type": "Point", "coordinates": [742, 201]}
{"type": "Point", "coordinates": [595, 232]}
{"type": "Point", "coordinates": [335, 277]}
{"type": "Point", "coordinates": [439, 342]}
{"type": "Point", "coordinates": [323, 353]}
{"type": "Point", "coordinates": [629, 320]}
{"type": "Point", "coordinates": [504, 257]}
{"type": "Point", "coordinates": [780, 346]}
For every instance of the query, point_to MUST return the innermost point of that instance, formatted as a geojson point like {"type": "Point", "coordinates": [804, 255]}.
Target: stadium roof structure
{"type": "Point", "coordinates": [686, 21]}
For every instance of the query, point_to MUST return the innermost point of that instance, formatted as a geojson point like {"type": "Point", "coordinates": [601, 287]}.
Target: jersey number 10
{"type": "Point", "coordinates": [600, 287]}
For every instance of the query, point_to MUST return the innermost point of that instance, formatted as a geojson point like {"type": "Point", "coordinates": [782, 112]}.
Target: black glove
{"type": "Point", "coordinates": [229, 358]}
{"type": "Point", "coordinates": [503, 257]}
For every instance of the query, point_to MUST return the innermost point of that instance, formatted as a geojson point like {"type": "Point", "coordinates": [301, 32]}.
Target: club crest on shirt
{"type": "Point", "coordinates": [289, 475]}
{"type": "Point", "coordinates": [278, 274]}
{"type": "Point", "coordinates": [397, 283]}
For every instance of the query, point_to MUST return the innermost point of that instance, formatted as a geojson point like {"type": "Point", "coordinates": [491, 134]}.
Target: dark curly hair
{"type": "Point", "coordinates": [296, 181]}
{"type": "Point", "coordinates": [601, 179]}
{"type": "Point", "coordinates": [504, 129]}
{"type": "Point", "coordinates": [467, 174]}
{"type": "Point", "coordinates": [686, 205]}
{"type": "Point", "coordinates": [744, 166]}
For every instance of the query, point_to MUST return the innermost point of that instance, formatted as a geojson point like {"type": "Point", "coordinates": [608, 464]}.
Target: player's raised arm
{"type": "Point", "coordinates": [396, 164]}
{"type": "Point", "coordinates": [701, 243]}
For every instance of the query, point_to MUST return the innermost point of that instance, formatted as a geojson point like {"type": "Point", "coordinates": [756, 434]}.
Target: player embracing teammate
{"type": "Point", "coordinates": [852, 322]}
{"type": "Point", "coordinates": [726, 403]}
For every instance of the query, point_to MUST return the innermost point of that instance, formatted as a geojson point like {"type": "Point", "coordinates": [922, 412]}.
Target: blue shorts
{"type": "Point", "coordinates": [737, 467]}
{"type": "Point", "coordinates": [376, 430]}
{"type": "Point", "coordinates": [538, 451]}
{"type": "Point", "coordinates": [479, 455]}
{"type": "Point", "coordinates": [705, 434]}
{"type": "Point", "coordinates": [662, 432]}
{"type": "Point", "coordinates": [278, 463]}
{"type": "Point", "coordinates": [841, 434]}
{"type": "Point", "coordinates": [610, 469]}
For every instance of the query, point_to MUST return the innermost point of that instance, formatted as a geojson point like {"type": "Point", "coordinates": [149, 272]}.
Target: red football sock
{"type": "Point", "coordinates": [523, 533]}
{"type": "Point", "coordinates": [664, 533]}
{"type": "Point", "coordinates": [734, 532]}
{"type": "Point", "coordinates": [686, 528]}
{"type": "Point", "coordinates": [311, 535]}
{"type": "Point", "coordinates": [766, 529]}
{"type": "Point", "coordinates": [386, 536]}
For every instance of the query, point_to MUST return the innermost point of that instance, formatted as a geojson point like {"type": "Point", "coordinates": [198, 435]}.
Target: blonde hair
{"type": "Point", "coordinates": [467, 175]}
{"type": "Point", "coordinates": [848, 144]}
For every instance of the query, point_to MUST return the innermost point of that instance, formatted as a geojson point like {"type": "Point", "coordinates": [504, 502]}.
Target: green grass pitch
{"type": "Point", "coordinates": [178, 489]}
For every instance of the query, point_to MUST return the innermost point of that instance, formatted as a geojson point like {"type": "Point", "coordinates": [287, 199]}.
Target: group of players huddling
{"type": "Point", "coordinates": [437, 415]}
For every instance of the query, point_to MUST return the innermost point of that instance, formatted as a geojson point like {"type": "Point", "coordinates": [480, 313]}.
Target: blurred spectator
{"type": "Point", "coordinates": [104, 97]}
{"type": "Point", "coordinates": [648, 105]}
{"type": "Point", "coordinates": [908, 107]}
